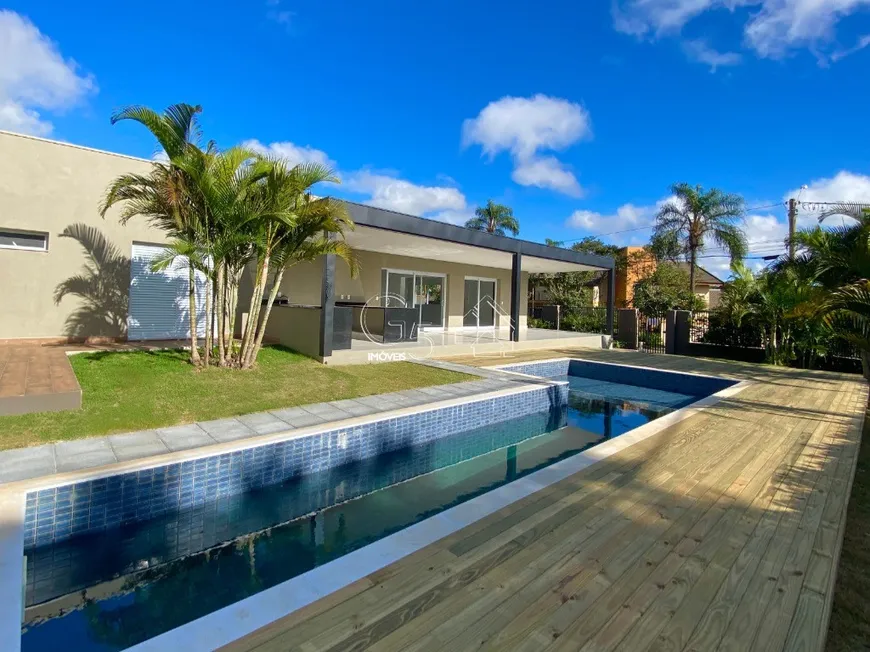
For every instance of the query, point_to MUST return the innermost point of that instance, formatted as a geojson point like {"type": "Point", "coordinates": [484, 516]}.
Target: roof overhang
{"type": "Point", "coordinates": [405, 235]}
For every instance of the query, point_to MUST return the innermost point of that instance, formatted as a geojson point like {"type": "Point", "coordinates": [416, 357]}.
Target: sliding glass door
{"type": "Point", "coordinates": [425, 291]}
{"type": "Point", "coordinates": [479, 303]}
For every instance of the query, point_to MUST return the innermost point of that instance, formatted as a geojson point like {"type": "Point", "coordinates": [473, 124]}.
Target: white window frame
{"type": "Point", "coordinates": [495, 325]}
{"type": "Point", "coordinates": [45, 234]}
{"type": "Point", "coordinates": [416, 273]}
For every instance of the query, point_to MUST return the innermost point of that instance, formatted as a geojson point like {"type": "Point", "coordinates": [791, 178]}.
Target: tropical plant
{"type": "Point", "coordinates": [494, 218]}
{"type": "Point", "coordinates": [693, 217]}
{"type": "Point", "coordinates": [838, 261]}
{"type": "Point", "coordinates": [666, 288]}
{"type": "Point", "coordinates": [293, 227]}
{"type": "Point", "coordinates": [165, 196]}
{"type": "Point", "coordinates": [226, 212]}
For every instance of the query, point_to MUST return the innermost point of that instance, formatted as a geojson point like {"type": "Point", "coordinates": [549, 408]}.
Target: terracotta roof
{"type": "Point", "coordinates": [702, 275]}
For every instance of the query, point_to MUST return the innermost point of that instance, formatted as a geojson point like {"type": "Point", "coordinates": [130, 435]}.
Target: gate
{"type": "Point", "coordinates": [651, 333]}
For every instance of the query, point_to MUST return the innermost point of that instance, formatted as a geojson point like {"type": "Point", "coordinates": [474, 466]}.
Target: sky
{"type": "Point", "coordinates": [578, 115]}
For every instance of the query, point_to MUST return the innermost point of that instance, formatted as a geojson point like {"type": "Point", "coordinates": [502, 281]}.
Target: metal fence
{"type": "Point", "coordinates": [651, 332]}
{"type": "Point", "coordinates": [710, 327]}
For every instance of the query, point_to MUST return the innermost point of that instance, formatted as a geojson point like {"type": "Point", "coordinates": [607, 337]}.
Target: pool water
{"type": "Point", "coordinates": [115, 589]}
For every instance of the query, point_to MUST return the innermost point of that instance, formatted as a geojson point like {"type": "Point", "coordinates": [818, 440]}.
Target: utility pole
{"type": "Point", "coordinates": [792, 226]}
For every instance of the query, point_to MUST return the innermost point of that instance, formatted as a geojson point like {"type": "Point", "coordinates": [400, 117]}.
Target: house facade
{"type": "Point", "coordinates": [70, 275]}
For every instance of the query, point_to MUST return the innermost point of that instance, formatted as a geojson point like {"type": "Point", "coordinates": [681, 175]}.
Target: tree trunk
{"type": "Point", "coordinates": [865, 364]}
{"type": "Point", "coordinates": [191, 296]}
{"type": "Point", "coordinates": [254, 313]}
{"type": "Point", "coordinates": [209, 326]}
{"type": "Point", "coordinates": [233, 282]}
{"type": "Point", "coordinates": [771, 342]}
{"type": "Point", "coordinates": [261, 330]}
{"type": "Point", "coordinates": [693, 257]}
{"type": "Point", "coordinates": [220, 297]}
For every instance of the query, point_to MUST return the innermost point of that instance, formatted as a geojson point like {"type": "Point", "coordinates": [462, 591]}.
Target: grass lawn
{"type": "Point", "coordinates": [125, 391]}
{"type": "Point", "coordinates": [850, 619]}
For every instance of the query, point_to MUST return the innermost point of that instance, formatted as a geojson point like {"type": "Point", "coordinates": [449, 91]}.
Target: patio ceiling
{"type": "Point", "coordinates": [367, 238]}
{"type": "Point", "coordinates": [405, 235]}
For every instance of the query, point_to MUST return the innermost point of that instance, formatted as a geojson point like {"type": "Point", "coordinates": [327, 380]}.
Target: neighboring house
{"type": "Point", "coordinates": [640, 264]}
{"type": "Point", "coordinates": [415, 273]}
{"type": "Point", "coordinates": [707, 286]}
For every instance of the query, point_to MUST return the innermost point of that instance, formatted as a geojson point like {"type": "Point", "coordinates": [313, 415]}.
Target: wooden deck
{"type": "Point", "coordinates": [720, 533]}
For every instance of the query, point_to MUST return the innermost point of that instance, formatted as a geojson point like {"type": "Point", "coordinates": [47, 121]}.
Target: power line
{"type": "Point", "coordinates": [652, 226]}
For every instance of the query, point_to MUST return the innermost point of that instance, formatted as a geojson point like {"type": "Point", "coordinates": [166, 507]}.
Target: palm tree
{"type": "Point", "coordinates": [292, 226]}
{"type": "Point", "coordinates": [165, 197]}
{"type": "Point", "coordinates": [695, 215]}
{"type": "Point", "coordinates": [838, 260]}
{"type": "Point", "coordinates": [494, 218]}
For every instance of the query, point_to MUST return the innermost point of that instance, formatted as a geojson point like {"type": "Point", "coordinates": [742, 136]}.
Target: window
{"type": "Point", "coordinates": [30, 240]}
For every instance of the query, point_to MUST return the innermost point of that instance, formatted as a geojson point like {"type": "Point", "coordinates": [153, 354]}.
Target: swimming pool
{"type": "Point", "coordinates": [114, 588]}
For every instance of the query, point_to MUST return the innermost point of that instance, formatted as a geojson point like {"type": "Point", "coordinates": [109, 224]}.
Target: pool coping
{"type": "Point", "coordinates": [246, 616]}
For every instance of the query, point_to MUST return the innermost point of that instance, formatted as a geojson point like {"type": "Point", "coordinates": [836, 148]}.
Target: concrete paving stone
{"type": "Point", "coordinates": [81, 446]}
{"type": "Point", "coordinates": [381, 402]}
{"type": "Point", "coordinates": [297, 417]}
{"type": "Point", "coordinates": [355, 408]}
{"type": "Point", "coordinates": [179, 438]}
{"type": "Point", "coordinates": [226, 429]}
{"type": "Point", "coordinates": [264, 423]}
{"type": "Point", "coordinates": [326, 410]}
{"type": "Point", "coordinates": [135, 445]}
{"type": "Point", "coordinates": [21, 463]}
{"type": "Point", "coordinates": [416, 397]}
{"type": "Point", "coordinates": [84, 454]}
{"type": "Point", "coordinates": [437, 392]}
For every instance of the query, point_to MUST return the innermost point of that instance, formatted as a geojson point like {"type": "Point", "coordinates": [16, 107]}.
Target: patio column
{"type": "Point", "coordinates": [611, 299]}
{"type": "Point", "coordinates": [327, 305]}
{"type": "Point", "coordinates": [516, 286]}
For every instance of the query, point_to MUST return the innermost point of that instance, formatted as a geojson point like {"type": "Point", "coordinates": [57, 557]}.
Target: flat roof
{"type": "Point", "coordinates": [419, 237]}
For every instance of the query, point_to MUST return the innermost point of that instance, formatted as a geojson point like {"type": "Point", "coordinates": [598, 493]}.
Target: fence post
{"type": "Point", "coordinates": [670, 331]}
{"type": "Point", "coordinates": [682, 332]}
{"type": "Point", "coordinates": [558, 316]}
{"type": "Point", "coordinates": [626, 332]}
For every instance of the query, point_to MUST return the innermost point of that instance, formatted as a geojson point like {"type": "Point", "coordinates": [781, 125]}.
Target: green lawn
{"type": "Point", "coordinates": [124, 391]}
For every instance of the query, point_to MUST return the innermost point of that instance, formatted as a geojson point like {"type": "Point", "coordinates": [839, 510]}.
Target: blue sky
{"type": "Point", "coordinates": [577, 114]}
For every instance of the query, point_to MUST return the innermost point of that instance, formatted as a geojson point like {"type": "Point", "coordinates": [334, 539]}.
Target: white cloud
{"type": "Point", "coordinates": [293, 154]}
{"type": "Point", "coordinates": [383, 189]}
{"type": "Point", "coordinates": [526, 126]}
{"type": "Point", "coordinates": [547, 172]}
{"type": "Point", "coordinates": [773, 28]}
{"type": "Point", "coordinates": [862, 43]}
{"type": "Point", "coordinates": [34, 76]}
{"type": "Point", "coordinates": [399, 195]}
{"type": "Point", "coordinates": [844, 186]}
{"type": "Point", "coordinates": [698, 50]}
{"type": "Point", "coordinates": [627, 216]}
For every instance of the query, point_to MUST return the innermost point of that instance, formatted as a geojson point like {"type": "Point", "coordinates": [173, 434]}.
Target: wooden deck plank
{"type": "Point", "coordinates": [682, 541]}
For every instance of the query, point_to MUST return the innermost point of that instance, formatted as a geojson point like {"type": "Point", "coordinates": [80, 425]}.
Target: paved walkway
{"type": "Point", "coordinates": [37, 461]}
{"type": "Point", "coordinates": [721, 532]}
{"type": "Point", "coordinates": [36, 379]}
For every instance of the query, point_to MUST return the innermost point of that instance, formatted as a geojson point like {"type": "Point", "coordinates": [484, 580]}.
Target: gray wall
{"type": "Point", "coordinates": [295, 327]}
{"type": "Point", "coordinates": [48, 186]}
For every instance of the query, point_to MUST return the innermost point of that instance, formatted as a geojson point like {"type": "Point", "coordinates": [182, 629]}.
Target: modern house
{"type": "Point", "coordinates": [70, 275]}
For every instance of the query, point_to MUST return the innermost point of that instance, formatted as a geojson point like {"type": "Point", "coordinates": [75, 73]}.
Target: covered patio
{"type": "Point", "coordinates": [423, 286]}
